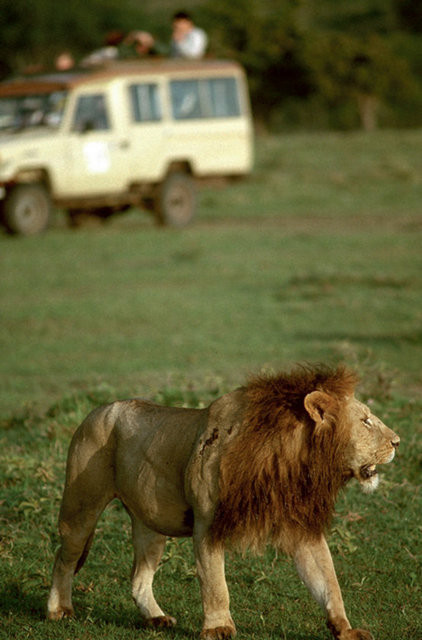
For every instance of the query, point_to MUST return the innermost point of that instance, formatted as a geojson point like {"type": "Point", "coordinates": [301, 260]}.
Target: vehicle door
{"type": "Point", "coordinates": [149, 130]}
{"type": "Point", "coordinates": [98, 148]}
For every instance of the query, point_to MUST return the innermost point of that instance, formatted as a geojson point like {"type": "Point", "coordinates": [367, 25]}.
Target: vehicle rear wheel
{"type": "Point", "coordinates": [27, 209]}
{"type": "Point", "coordinates": [176, 201]}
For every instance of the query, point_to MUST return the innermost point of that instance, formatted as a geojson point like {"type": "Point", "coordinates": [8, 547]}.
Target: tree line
{"type": "Point", "coordinates": [331, 63]}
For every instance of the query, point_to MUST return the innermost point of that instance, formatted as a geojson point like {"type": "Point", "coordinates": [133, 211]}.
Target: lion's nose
{"type": "Point", "coordinates": [395, 441]}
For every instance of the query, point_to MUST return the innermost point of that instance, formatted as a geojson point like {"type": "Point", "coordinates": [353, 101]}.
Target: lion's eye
{"type": "Point", "coordinates": [367, 422]}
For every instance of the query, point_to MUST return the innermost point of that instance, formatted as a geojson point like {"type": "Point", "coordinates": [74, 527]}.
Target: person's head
{"type": "Point", "coordinates": [144, 42]}
{"type": "Point", "coordinates": [64, 61]}
{"type": "Point", "coordinates": [182, 22]}
{"type": "Point", "coordinates": [114, 38]}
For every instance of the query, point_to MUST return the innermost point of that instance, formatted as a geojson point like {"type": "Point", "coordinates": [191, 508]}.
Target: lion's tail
{"type": "Point", "coordinates": [84, 553]}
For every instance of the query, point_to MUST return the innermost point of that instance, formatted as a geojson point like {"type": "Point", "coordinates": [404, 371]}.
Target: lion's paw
{"type": "Point", "coordinates": [218, 633]}
{"type": "Point", "coordinates": [161, 622]}
{"type": "Point", "coordinates": [60, 613]}
{"type": "Point", "coordinates": [340, 629]}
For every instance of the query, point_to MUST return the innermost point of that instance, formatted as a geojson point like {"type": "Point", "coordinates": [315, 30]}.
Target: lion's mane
{"type": "Point", "coordinates": [280, 476]}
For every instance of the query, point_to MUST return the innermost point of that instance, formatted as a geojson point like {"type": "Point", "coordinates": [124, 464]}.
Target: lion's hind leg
{"type": "Point", "coordinates": [68, 560]}
{"type": "Point", "coordinates": [88, 490]}
{"type": "Point", "coordinates": [76, 533]}
{"type": "Point", "coordinates": [148, 546]}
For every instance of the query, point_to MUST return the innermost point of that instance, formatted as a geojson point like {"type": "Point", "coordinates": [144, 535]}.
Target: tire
{"type": "Point", "coordinates": [176, 201]}
{"type": "Point", "coordinates": [27, 209]}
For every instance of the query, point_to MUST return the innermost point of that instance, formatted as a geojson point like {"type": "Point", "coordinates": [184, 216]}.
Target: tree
{"type": "Point", "coordinates": [365, 70]}
{"type": "Point", "coordinates": [336, 51]}
{"type": "Point", "coordinates": [410, 15]}
{"type": "Point", "coordinates": [33, 38]}
{"type": "Point", "coordinates": [358, 55]}
{"type": "Point", "coordinates": [266, 39]}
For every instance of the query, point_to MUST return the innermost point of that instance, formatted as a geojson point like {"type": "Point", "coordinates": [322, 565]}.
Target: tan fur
{"type": "Point", "coordinates": [262, 464]}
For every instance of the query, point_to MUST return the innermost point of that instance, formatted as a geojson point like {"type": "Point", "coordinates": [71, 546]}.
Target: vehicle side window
{"type": "Point", "coordinates": [205, 98]}
{"type": "Point", "coordinates": [185, 99]}
{"type": "Point", "coordinates": [91, 113]}
{"type": "Point", "coordinates": [224, 97]}
{"type": "Point", "coordinates": [145, 101]}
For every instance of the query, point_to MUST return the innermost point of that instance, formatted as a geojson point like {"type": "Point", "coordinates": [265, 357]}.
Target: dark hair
{"type": "Point", "coordinates": [114, 38]}
{"type": "Point", "coordinates": [182, 15]}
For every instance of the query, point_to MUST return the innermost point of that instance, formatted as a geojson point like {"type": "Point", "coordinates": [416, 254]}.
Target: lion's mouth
{"type": "Point", "coordinates": [368, 478]}
{"type": "Point", "coordinates": [368, 471]}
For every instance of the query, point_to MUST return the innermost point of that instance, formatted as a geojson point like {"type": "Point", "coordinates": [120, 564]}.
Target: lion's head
{"type": "Point", "coordinates": [304, 436]}
{"type": "Point", "coordinates": [371, 443]}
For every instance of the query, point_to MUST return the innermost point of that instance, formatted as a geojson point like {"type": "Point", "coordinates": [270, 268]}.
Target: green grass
{"type": "Point", "coordinates": [316, 257]}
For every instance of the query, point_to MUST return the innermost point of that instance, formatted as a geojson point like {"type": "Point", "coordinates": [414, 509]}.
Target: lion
{"type": "Point", "coordinates": [261, 465]}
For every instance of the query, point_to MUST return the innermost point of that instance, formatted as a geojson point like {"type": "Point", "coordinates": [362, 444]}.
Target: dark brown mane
{"type": "Point", "coordinates": [280, 477]}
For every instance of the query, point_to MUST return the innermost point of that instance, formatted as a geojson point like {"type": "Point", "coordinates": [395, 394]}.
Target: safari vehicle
{"type": "Point", "coordinates": [131, 134]}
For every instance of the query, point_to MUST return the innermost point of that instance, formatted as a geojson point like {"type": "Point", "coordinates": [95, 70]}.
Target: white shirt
{"type": "Point", "coordinates": [193, 44]}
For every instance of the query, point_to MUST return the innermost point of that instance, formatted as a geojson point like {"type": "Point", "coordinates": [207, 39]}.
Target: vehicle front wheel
{"type": "Point", "coordinates": [176, 202]}
{"type": "Point", "coordinates": [27, 209]}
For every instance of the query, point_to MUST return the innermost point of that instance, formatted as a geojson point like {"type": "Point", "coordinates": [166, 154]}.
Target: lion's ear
{"type": "Point", "coordinates": [318, 404]}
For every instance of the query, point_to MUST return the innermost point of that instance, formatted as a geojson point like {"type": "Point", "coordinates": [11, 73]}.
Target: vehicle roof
{"type": "Point", "coordinates": [49, 82]}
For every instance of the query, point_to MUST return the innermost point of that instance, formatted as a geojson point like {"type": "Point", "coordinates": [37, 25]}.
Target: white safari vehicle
{"type": "Point", "coordinates": [135, 133]}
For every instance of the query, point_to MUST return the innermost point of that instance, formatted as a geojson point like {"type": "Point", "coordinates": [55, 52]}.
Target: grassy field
{"type": "Point", "coordinates": [317, 257]}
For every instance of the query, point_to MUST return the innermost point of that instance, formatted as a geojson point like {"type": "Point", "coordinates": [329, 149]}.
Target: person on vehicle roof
{"type": "Point", "coordinates": [187, 41]}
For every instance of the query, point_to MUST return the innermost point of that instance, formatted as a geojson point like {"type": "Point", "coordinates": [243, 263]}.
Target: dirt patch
{"type": "Point", "coordinates": [320, 225]}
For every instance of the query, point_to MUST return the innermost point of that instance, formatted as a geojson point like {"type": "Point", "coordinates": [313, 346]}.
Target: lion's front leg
{"type": "Point", "coordinates": [315, 567]}
{"type": "Point", "coordinates": [218, 623]}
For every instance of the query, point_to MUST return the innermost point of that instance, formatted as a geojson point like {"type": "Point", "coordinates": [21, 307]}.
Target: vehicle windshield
{"type": "Point", "coordinates": [22, 112]}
